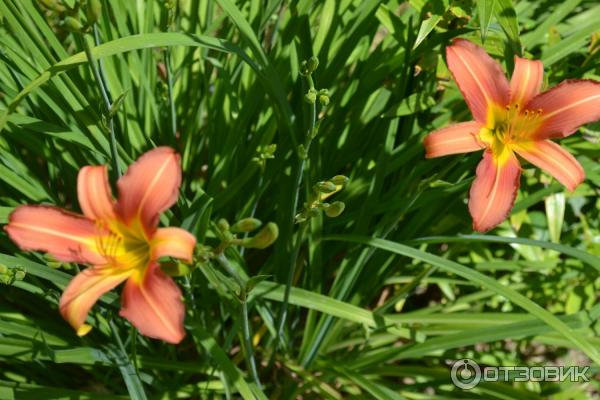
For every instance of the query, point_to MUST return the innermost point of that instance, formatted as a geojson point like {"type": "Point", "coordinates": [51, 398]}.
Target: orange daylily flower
{"type": "Point", "coordinates": [120, 239]}
{"type": "Point", "coordinates": [511, 118]}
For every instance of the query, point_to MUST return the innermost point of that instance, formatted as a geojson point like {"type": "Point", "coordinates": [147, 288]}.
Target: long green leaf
{"type": "Point", "coordinates": [484, 281]}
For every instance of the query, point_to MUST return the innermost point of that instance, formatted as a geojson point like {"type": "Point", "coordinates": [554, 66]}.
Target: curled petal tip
{"type": "Point", "coordinates": [84, 290]}
{"type": "Point", "coordinates": [84, 330]}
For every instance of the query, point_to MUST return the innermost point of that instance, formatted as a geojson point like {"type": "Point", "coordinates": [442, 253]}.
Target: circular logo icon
{"type": "Point", "coordinates": [465, 374]}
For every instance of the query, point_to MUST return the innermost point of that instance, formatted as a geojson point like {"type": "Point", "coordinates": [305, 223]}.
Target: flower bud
{"type": "Point", "coordinates": [246, 225]}
{"type": "Point", "coordinates": [335, 209]}
{"type": "Point", "coordinates": [340, 180]}
{"type": "Point", "coordinates": [325, 187]}
{"type": "Point", "coordinates": [19, 275]}
{"type": "Point", "coordinates": [304, 68]}
{"type": "Point", "coordinates": [302, 152]}
{"type": "Point", "coordinates": [312, 64]}
{"type": "Point", "coordinates": [93, 11]}
{"type": "Point", "coordinates": [72, 24]}
{"type": "Point", "coordinates": [311, 96]}
{"type": "Point", "coordinates": [324, 100]}
{"type": "Point", "coordinates": [3, 269]}
{"type": "Point", "coordinates": [223, 225]}
{"type": "Point", "coordinates": [264, 238]}
{"type": "Point", "coordinates": [52, 5]}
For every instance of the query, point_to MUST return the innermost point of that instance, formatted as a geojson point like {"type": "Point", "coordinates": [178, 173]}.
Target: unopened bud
{"type": "Point", "coordinates": [335, 209]}
{"type": "Point", "coordinates": [311, 96]}
{"type": "Point", "coordinates": [340, 180]}
{"type": "Point", "coordinates": [246, 225]}
{"type": "Point", "coordinates": [19, 275]}
{"type": "Point", "coordinates": [52, 5]}
{"type": "Point", "coordinates": [270, 149]}
{"type": "Point", "coordinates": [223, 225]}
{"type": "Point", "coordinates": [3, 269]}
{"type": "Point", "coordinates": [312, 64]}
{"type": "Point", "coordinates": [302, 152]}
{"type": "Point", "coordinates": [325, 187]}
{"type": "Point", "coordinates": [324, 100]}
{"type": "Point", "coordinates": [72, 24]}
{"type": "Point", "coordinates": [264, 238]}
{"type": "Point", "coordinates": [93, 11]}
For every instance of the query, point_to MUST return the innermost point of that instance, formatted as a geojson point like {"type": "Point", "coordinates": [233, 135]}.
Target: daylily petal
{"type": "Point", "coordinates": [566, 107]}
{"type": "Point", "coordinates": [67, 237]}
{"type": "Point", "coordinates": [152, 303]}
{"type": "Point", "coordinates": [149, 187]}
{"type": "Point", "coordinates": [494, 190]}
{"type": "Point", "coordinates": [94, 193]}
{"type": "Point", "coordinates": [83, 292]}
{"type": "Point", "coordinates": [479, 78]}
{"type": "Point", "coordinates": [553, 159]}
{"type": "Point", "coordinates": [173, 242]}
{"type": "Point", "coordinates": [454, 139]}
{"type": "Point", "coordinates": [526, 81]}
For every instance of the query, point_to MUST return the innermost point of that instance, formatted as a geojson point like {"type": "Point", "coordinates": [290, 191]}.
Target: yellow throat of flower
{"type": "Point", "coordinates": [124, 247]}
{"type": "Point", "coordinates": [506, 127]}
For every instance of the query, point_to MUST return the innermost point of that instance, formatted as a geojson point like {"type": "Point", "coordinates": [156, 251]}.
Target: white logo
{"type": "Point", "coordinates": [465, 374]}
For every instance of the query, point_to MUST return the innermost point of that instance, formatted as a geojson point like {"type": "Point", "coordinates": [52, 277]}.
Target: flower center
{"type": "Point", "coordinates": [122, 246]}
{"type": "Point", "coordinates": [509, 125]}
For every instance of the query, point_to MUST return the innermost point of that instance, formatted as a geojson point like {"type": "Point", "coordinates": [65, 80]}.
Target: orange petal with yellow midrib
{"type": "Point", "coordinates": [494, 190]}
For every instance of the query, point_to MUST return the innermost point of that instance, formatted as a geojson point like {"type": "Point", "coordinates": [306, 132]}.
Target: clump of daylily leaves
{"type": "Point", "coordinates": [121, 241]}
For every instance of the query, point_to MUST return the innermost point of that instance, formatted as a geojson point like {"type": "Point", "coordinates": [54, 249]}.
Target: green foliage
{"type": "Point", "coordinates": [274, 106]}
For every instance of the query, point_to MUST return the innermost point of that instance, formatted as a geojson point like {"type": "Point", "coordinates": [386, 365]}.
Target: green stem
{"type": "Point", "coordinates": [173, 116]}
{"type": "Point", "coordinates": [296, 249]}
{"type": "Point", "coordinates": [249, 352]}
{"type": "Point", "coordinates": [107, 105]}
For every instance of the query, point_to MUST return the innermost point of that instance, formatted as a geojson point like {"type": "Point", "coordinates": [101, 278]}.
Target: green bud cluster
{"type": "Point", "coordinates": [261, 240]}
{"type": "Point", "coordinates": [8, 276]}
{"type": "Point", "coordinates": [311, 96]}
{"type": "Point", "coordinates": [264, 153]}
{"type": "Point", "coordinates": [307, 67]}
{"type": "Point", "coordinates": [70, 17]}
{"type": "Point", "coordinates": [323, 190]}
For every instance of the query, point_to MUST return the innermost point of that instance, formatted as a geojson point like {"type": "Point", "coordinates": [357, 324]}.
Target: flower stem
{"type": "Point", "coordinates": [296, 248]}
{"type": "Point", "coordinates": [172, 113]}
{"type": "Point", "coordinates": [248, 349]}
{"type": "Point", "coordinates": [98, 77]}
